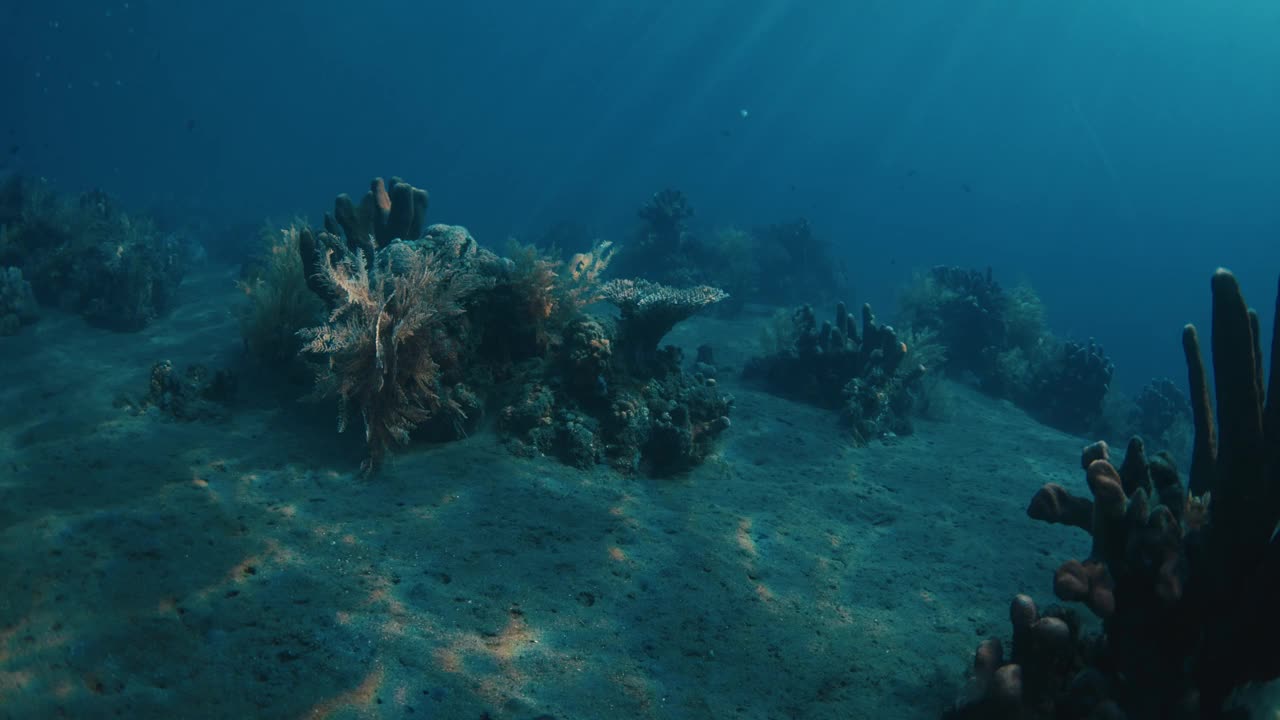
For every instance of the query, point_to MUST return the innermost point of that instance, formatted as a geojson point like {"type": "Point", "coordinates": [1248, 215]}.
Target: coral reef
{"type": "Point", "coordinates": [17, 302]}
{"type": "Point", "coordinates": [87, 256]}
{"type": "Point", "coordinates": [1163, 408]}
{"type": "Point", "coordinates": [196, 394]}
{"type": "Point", "coordinates": [794, 263]}
{"type": "Point", "coordinates": [998, 340]}
{"type": "Point", "coordinates": [609, 394]}
{"type": "Point", "coordinates": [783, 263]}
{"type": "Point", "coordinates": [1160, 414]}
{"type": "Point", "coordinates": [433, 332]}
{"type": "Point", "coordinates": [866, 376]}
{"type": "Point", "coordinates": [665, 217]}
{"type": "Point", "coordinates": [1068, 389]}
{"type": "Point", "coordinates": [1185, 579]}
{"type": "Point", "coordinates": [966, 310]}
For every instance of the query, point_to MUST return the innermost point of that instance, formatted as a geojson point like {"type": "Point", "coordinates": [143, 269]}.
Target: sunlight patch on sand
{"type": "Point", "coordinates": [361, 695]}
{"type": "Point", "coordinates": [743, 536]}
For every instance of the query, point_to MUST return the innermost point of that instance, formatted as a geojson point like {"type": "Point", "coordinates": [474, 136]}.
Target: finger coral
{"type": "Point", "coordinates": [1186, 587]}
{"type": "Point", "coordinates": [863, 374]}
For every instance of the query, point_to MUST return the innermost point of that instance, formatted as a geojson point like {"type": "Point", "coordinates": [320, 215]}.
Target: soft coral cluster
{"type": "Point", "coordinates": [379, 344]}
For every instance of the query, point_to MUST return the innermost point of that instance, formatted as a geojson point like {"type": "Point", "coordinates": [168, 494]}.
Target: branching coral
{"type": "Point", "coordinates": [378, 344]}
{"type": "Point", "coordinates": [1068, 389]}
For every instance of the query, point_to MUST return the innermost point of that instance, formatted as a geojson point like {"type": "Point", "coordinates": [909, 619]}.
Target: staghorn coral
{"type": "Point", "coordinates": [1186, 587]}
{"type": "Point", "coordinates": [379, 344]}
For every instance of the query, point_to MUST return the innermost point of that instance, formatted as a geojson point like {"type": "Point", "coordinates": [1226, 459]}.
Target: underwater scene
{"type": "Point", "coordinates": [567, 360]}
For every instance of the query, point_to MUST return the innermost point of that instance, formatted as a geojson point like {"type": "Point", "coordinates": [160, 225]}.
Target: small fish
{"type": "Point", "coordinates": [744, 114]}
{"type": "Point", "coordinates": [965, 187]}
{"type": "Point", "coordinates": [191, 124]}
{"type": "Point", "coordinates": [14, 148]}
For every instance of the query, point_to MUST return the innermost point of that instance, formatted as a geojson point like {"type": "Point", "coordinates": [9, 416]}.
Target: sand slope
{"type": "Point", "coordinates": [236, 569]}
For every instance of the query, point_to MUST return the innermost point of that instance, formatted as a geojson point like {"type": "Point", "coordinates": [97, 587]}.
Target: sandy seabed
{"type": "Point", "coordinates": [234, 569]}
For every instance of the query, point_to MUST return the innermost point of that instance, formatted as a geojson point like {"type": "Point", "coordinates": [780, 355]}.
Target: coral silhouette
{"type": "Point", "coordinates": [1186, 579]}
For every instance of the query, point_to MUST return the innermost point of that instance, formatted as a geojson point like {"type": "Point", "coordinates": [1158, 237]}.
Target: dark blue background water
{"type": "Point", "coordinates": [1111, 152]}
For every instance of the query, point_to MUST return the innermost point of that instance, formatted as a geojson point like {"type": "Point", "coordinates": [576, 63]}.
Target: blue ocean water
{"type": "Point", "coordinates": [1110, 153]}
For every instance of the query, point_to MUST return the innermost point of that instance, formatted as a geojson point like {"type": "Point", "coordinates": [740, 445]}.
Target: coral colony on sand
{"type": "Point", "coordinates": [83, 255]}
{"type": "Point", "coordinates": [867, 375]}
{"type": "Point", "coordinates": [999, 341]}
{"type": "Point", "coordinates": [426, 332]}
{"type": "Point", "coordinates": [783, 264]}
{"type": "Point", "coordinates": [1186, 580]}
